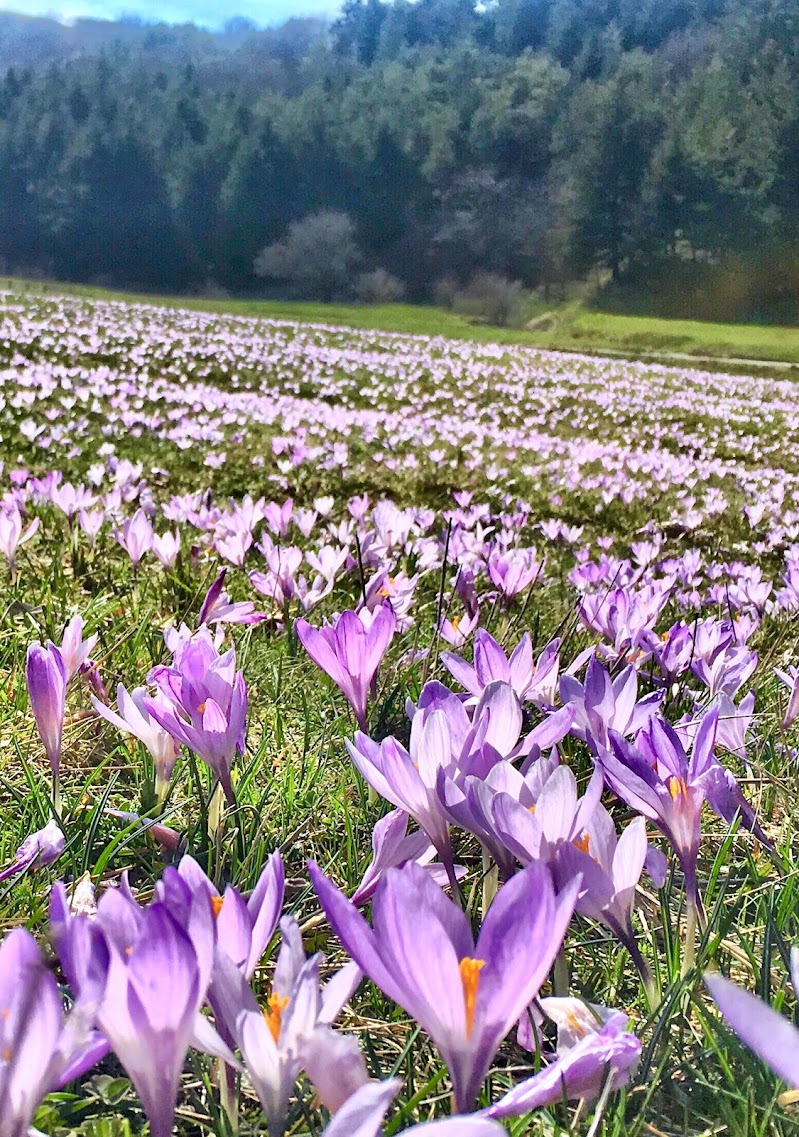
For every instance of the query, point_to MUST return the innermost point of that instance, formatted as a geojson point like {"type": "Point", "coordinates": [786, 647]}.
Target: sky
{"type": "Point", "coordinates": [207, 13]}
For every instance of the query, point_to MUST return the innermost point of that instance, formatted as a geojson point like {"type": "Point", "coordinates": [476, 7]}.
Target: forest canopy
{"type": "Point", "coordinates": [652, 143]}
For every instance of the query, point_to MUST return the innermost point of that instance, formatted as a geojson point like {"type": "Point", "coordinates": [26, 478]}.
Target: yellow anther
{"type": "Point", "coordinates": [576, 1023]}
{"type": "Point", "coordinates": [677, 787]}
{"type": "Point", "coordinates": [470, 978]}
{"type": "Point", "coordinates": [273, 1011]}
{"type": "Point", "coordinates": [583, 843]}
{"type": "Point", "coordinates": [201, 709]}
{"type": "Point", "coordinates": [216, 905]}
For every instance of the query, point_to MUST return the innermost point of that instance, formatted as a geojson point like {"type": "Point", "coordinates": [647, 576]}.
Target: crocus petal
{"type": "Point", "coordinates": [769, 1034]}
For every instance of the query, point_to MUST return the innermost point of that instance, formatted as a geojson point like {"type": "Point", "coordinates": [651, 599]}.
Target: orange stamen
{"type": "Point", "coordinates": [216, 905]}
{"type": "Point", "coordinates": [201, 709]}
{"type": "Point", "coordinates": [677, 787]}
{"type": "Point", "coordinates": [470, 978]}
{"type": "Point", "coordinates": [583, 843]}
{"type": "Point", "coordinates": [273, 1011]}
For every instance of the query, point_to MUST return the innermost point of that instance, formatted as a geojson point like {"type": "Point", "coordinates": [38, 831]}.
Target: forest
{"type": "Point", "coordinates": [650, 145]}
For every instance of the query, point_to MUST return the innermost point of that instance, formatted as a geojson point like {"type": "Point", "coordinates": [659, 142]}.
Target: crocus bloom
{"type": "Point", "coordinates": [166, 549]}
{"type": "Point", "coordinates": [243, 927]}
{"type": "Point", "coordinates": [513, 571]}
{"type": "Point", "coordinates": [350, 651]}
{"type": "Point", "coordinates": [479, 802]}
{"type": "Point", "coordinates": [41, 1050]}
{"type": "Point", "coordinates": [134, 718]}
{"type": "Point", "coordinates": [41, 848]}
{"type": "Point", "coordinates": [75, 650]}
{"type": "Point", "coordinates": [656, 777]}
{"type": "Point", "coordinates": [603, 704]}
{"type": "Point", "coordinates": [11, 535]}
{"type": "Point", "coordinates": [590, 1051]}
{"type": "Point", "coordinates": [466, 995]}
{"type": "Point", "coordinates": [772, 1037]}
{"type": "Point", "coordinates": [457, 630]}
{"type": "Point", "coordinates": [151, 969]}
{"type": "Point", "coordinates": [626, 619]}
{"type": "Point", "coordinates": [610, 867]}
{"type": "Point", "coordinates": [293, 1032]}
{"type": "Point", "coordinates": [534, 681]}
{"type": "Point", "coordinates": [734, 723]}
{"type": "Point", "coordinates": [47, 685]}
{"type": "Point", "coordinates": [727, 671]}
{"type": "Point", "coordinates": [208, 697]}
{"type": "Point", "coordinates": [217, 608]}
{"type": "Point", "coordinates": [362, 1116]}
{"type": "Point", "coordinates": [392, 847]}
{"type": "Point", "coordinates": [135, 536]}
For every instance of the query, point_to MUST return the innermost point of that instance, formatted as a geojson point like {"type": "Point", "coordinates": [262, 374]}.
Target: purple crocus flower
{"type": "Point", "coordinates": [41, 1050]}
{"type": "Point", "coordinates": [772, 1037]}
{"type": "Point", "coordinates": [791, 680]}
{"type": "Point", "coordinates": [243, 927]}
{"type": "Point", "coordinates": [626, 619]}
{"type": "Point", "coordinates": [362, 1116]}
{"type": "Point", "coordinates": [217, 608]}
{"type": "Point", "coordinates": [40, 849]}
{"type": "Point", "coordinates": [293, 1033]}
{"type": "Point", "coordinates": [727, 670]}
{"type": "Point", "coordinates": [479, 802]}
{"type": "Point", "coordinates": [657, 778]}
{"type": "Point", "coordinates": [208, 697]}
{"type": "Point", "coordinates": [47, 685]}
{"type": "Point", "coordinates": [443, 741]}
{"type": "Point", "coordinates": [135, 536]}
{"type": "Point", "coordinates": [603, 704]}
{"type": "Point", "coordinates": [536, 681]}
{"type": "Point", "coordinates": [514, 570]}
{"type": "Point", "coordinates": [674, 651]}
{"type": "Point", "coordinates": [350, 651]}
{"type": "Point", "coordinates": [457, 630]}
{"type": "Point", "coordinates": [610, 867]}
{"type": "Point", "coordinates": [392, 847]}
{"type": "Point", "coordinates": [559, 816]}
{"type": "Point", "coordinates": [75, 650]}
{"type": "Point", "coordinates": [465, 995]}
{"type": "Point", "coordinates": [152, 969]}
{"type": "Point", "coordinates": [734, 724]}
{"type": "Point", "coordinates": [134, 718]}
{"type": "Point", "coordinates": [591, 1051]}
{"type": "Point", "coordinates": [11, 535]}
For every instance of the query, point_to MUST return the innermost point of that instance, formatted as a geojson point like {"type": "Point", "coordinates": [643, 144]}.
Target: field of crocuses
{"type": "Point", "coordinates": [396, 734]}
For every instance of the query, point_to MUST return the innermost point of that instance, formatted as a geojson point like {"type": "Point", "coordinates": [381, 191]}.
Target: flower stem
{"type": "Point", "coordinates": [57, 802]}
{"type": "Point", "coordinates": [490, 882]}
{"type": "Point", "coordinates": [229, 1093]}
{"type": "Point", "coordinates": [691, 925]}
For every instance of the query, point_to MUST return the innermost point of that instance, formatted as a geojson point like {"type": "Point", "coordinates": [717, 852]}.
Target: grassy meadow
{"type": "Point", "coordinates": [630, 524]}
{"type": "Point", "coordinates": [569, 326]}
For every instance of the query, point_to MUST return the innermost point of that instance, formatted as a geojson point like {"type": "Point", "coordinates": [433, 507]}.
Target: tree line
{"type": "Point", "coordinates": [653, 144]}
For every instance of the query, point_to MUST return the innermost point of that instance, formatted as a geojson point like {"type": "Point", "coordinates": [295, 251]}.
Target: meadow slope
{"type": "Point", "coordinates": [558, 670]}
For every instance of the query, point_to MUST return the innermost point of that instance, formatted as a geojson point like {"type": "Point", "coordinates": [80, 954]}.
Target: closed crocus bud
{"type": "Point", "coordinates": [41, 848]}
{"type": "Point", "coordinates": [47, 684]}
